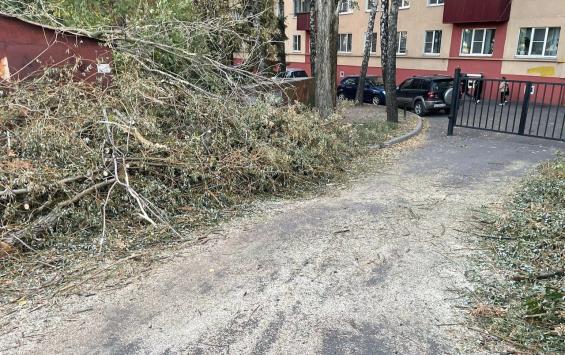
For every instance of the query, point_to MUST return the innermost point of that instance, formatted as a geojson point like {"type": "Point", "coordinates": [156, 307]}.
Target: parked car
{"type": "Point", "coordinates": [426, 94]}
{"type": "Point", "coordinates": [291, 73]}
{"type": "Point", "coordinates": [374, 89]}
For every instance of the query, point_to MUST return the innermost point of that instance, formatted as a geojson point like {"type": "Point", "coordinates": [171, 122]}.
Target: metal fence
{"type": "Point", "coordinates": [510, 106]}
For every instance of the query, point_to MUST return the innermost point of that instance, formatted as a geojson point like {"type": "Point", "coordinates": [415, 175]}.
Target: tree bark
{"type": "Point", "coordinates": [326, 56]}
{"type": "Point", "coordinates": [258, 53]}
{"type": "Point", "coordinates": [389, 47]}
{"type": "Point", "coordinates": [281, 37]}
{"type": "Point", "coordinates": [359, 97]}
{"type": "Point", "coordinates": [313, 38]}
{"type": "Point", "coordinates": [385, 6]}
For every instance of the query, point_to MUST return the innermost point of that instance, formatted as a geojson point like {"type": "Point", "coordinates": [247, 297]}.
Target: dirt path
{"type": "Point", "coordinates": [376, 268]}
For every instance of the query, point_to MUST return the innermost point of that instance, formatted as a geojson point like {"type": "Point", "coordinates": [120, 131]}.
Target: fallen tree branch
{"type": "Point", "coordinates": [23, 191]}
{"type": "Point", "coordinates": [45, 222]}
{"type": "Point", "coordinates": [541, 276]}
{"type": "Point", "coordinates": [135, 132]}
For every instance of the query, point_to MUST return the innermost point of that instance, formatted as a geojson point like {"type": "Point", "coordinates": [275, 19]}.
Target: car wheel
{"type": "Point", "coordinates": [447, 111]}
{"type": "Point", "coordinates": [419, 108]}
{"type": "Point", "coordinates": [376, 101]}
{"type": "Point", "coordinates": [341, 97]}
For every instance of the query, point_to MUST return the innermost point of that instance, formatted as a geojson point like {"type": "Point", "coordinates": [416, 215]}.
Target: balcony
{"type": "Point", "coordinates": [476, 11]}
{"type": "Point", "coordinates": [303, 21]}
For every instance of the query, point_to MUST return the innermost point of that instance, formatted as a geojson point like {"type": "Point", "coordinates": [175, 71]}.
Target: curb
{"type": "Point", "coordinates": [402, 138]}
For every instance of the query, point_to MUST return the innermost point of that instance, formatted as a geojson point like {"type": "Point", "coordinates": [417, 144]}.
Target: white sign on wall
{"type": "Point", "coordinates": [104, 68]}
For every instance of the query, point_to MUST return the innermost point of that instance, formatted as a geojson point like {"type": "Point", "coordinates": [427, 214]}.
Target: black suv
{"type": "Point", "coordinates": [425, 94]}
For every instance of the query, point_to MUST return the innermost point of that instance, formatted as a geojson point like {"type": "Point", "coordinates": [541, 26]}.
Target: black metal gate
{"type": "Point", "coordinates": [510, 106]}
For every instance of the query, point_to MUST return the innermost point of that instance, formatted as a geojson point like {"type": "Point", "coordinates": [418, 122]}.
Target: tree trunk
{"type": "Point", "coordinates": [326, 56]}
{"type": "Point", "coordinates": [313, 38]}
{"type": "Point", "coordinates": [260, 46]}
{"type": "Point", "coordinates": [389, 47]}
{"type": "Point", "coordinates": [360, 96]}
{"type": "Point", "coordinates": [258, 53]}
{"type": "Point", "coordinates": [281, 37]}
{"type": "Point", "coordinates": [385, 6]}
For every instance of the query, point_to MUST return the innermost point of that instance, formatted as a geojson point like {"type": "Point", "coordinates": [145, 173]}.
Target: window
{"type": "Point", "coordinates": [432, 43]}
{"type": "Point", "coordinates": [402, 37]}
{"type": "Point", "coordinates": [404, 4]}
{"type": "Point", "coordinates": [373, 41]}
{"type": "Point", "coordinates": [370, 5]}
{"type": "Point", "coordinates": [298, 74]}
{"type": "Point", "coordinates": [297, 43]}
{"type": "Point", "coordinates": [344, 42]}
{"type": "Point", "coordinates": [301, 6]}
{"type": "Point", "coordinates": [435, 2]}
{"type": "Point", "coordinates": [540, 41]}
{"type": "Point", "coordinates": [407, 84]}
{"type": "Point", "coordinates": [349, 82]}
{"type": "Point", "coordinates": [477, 42]}
{"type": "Point", "coordinates": [345, 6]}
{"type": "Point", "coordinates": [419, 84]}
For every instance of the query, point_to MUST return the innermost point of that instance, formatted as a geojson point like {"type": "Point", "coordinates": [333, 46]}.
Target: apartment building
{"type": "Point", "coordinates": [518, 39]}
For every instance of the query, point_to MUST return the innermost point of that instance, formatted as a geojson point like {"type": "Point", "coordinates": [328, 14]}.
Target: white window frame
{"type": "Point", "coordinates": [302, 3]}
{"type": "Point", "coordinates": [349, 36]}
{"type": "Point", "coordinates": [471, 54]}
{"type": "Point", "coordinates": [375, 37]}
{"type": "Point", "coordinates": [349, 7]}
{"type": "Point", "coordinates": [368, 9]}
{"type": "Point", "coordinates": [299, 42]}
{"type": "Point", "coordinates": [433, 41]}
{"type": "Point", "coordinates": [404, 4]}
{"type": "Point", "coordinates": [433, 3]}
{"type": "Point", "coordinates": [530, 55]}
{"type": "Point", "coordinates": [399, 35]}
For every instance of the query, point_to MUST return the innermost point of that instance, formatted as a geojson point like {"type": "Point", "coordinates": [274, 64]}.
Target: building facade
{"type": "Point", "coordinates": [517, 39]}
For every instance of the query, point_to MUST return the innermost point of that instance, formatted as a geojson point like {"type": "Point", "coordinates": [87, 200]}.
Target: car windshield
{"type": "Point", "coordinates": [372, 81]}
{"type": "Point", "coordinates": [442, 85]}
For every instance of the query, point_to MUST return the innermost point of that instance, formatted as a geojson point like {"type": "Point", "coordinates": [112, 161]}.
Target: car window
{"type": "Point", "coordinates": [407, 84]}
{"type": "Point", "coordinates": [300, 74]}
{"type": "Point", "coordinates": [442, 85]}
{"type": "Point", "coordinates": [421, 84]}
{"type": "Point", "coordinates": [374, 81]}
{"type": "Point", "coordinates": [416, 84]}
{"type": "Point", "coordinates": [350, 81]}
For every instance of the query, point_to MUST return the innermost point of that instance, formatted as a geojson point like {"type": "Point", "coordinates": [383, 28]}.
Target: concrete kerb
{"type": "Point", "coordinates": [402, 138]}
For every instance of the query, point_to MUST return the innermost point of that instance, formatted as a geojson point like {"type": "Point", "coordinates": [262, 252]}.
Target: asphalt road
{"type": "Point", "coordinates": [373, 268]}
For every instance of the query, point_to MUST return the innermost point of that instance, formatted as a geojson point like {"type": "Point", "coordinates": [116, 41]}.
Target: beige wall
{"type": "Point", "coordinates": [528, 13]}
{"type": "Point", "coordinates": [290, 31]}
{"type": "Point", "coordinates": [415, 20]}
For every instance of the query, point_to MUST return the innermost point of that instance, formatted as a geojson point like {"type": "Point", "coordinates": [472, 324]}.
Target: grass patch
{"type": "Point", "coordinates": [376, 132]}
{"type": "Point", "coordinates": [526, 308]}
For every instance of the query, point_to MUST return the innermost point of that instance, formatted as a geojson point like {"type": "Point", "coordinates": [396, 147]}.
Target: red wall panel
{"type": "Point", "coordinates": [468, 11]}
{"type": "Point", "coordinates": [30, 49]}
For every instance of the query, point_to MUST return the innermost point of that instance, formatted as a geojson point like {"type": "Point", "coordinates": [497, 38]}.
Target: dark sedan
{"type": "Point", "coordinates": [374, 89]}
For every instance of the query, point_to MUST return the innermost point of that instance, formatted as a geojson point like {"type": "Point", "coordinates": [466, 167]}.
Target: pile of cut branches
{"type": "Point", "coordinates": [172, 141]}
{"type": "Point", "coordinates": [82, 165]}
{"type": "Point", "coordinates": [527, 309]}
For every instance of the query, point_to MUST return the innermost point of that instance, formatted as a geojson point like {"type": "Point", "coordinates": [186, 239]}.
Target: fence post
{"type": "Point", "coordinates": [525, 106]}
{"type": "Point", "coordinates": [454, 109]}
